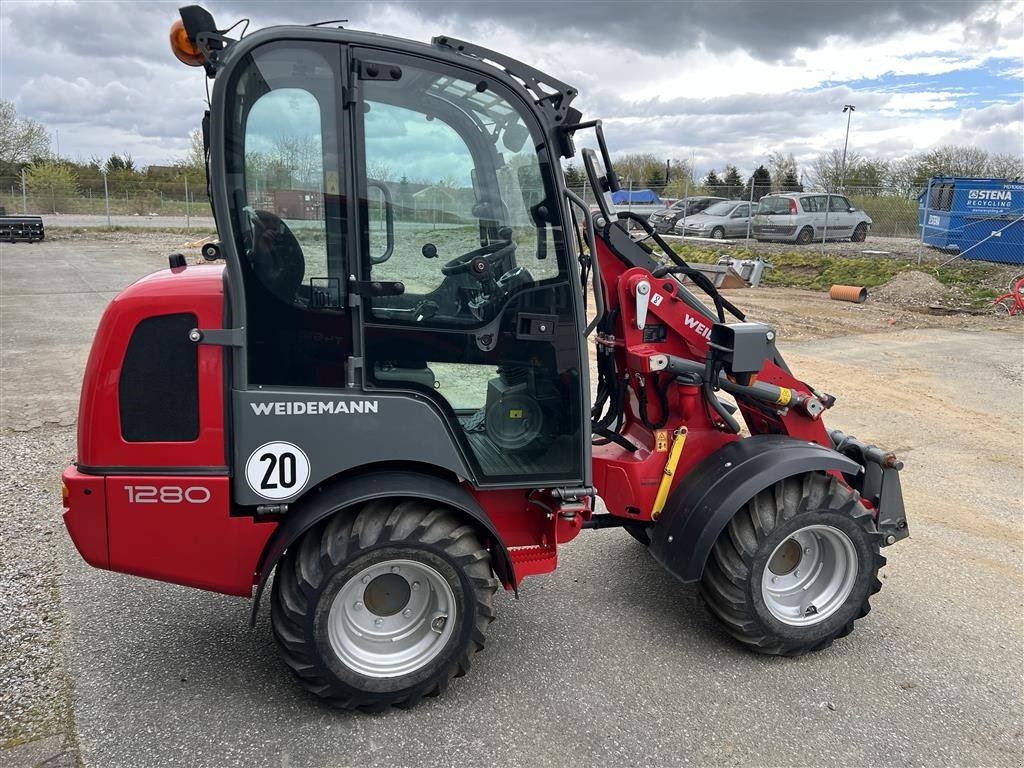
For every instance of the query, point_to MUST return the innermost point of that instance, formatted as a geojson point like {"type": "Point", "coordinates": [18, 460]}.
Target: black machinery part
{"type": "Point", "coordinates": [698, 511]}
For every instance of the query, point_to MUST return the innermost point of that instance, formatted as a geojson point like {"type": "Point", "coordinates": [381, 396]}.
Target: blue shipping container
{"type": "Point", "coordinates": [979, 218]}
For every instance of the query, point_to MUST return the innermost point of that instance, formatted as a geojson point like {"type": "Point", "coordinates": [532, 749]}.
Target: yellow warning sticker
{"type": "Point", "coordinates": [785, 395]}
{"type": "Point", "coordinates": [661, 440]}
{"type": "Point", "coordinates": [515, 413]}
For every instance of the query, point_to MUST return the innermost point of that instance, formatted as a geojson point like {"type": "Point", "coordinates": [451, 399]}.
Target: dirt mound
{"type": "Point", "coordinates": [910, 289]}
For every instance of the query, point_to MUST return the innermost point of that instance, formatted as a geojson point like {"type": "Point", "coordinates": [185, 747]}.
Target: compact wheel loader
{"type": "Point", "coordinates": [382, 396]}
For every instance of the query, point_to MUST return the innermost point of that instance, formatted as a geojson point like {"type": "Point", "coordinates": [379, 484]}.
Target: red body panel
{"type": "Point", "coordinates": [198, 290]}
{"type": "Point", "coordinates": [86, 515]}
{"type": "Point", "coordinates": [628, 482]}
{"type": "Point", "coordinates": [179, 529]}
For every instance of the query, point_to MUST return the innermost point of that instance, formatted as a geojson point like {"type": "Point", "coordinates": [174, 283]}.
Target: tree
{"type": "Point", "coordinates": [790, 183]}
{"type": "Point", "coordinates": [195, 157]}
{"type": "Point", "coordinates": [574, 179]}
{"type": "Point", "coordinates": [781, 166]}
{"type": "Point", "coordinates": [642, 169]}
{"type": "Point", "coordinates": [712, 183]}
{"type": "Point", "coordinates": [54, 183]}
{"type": "Point", "coordinates": [732, 184]}
{"type": "Point", "coordinates": [21, 139]}
{"type": "Point", "coordinates": [123, 162]}
{"type": "Point", "coordinates": [758, 185]}
{"type": "Point", "coordinates": [827, 170]}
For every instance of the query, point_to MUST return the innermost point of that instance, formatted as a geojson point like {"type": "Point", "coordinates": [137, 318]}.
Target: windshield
{"type": "Point", "coordinates": [720, 209]}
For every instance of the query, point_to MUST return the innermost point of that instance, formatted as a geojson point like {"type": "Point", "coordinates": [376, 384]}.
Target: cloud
{"type": "Point", "coordinates": [719, 81]}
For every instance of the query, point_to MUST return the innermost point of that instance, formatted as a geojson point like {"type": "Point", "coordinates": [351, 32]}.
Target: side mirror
{"type": "Point", "coordinates": [380, 212]}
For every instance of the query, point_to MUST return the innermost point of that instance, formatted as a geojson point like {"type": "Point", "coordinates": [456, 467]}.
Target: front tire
{"type": "Point", "coordinates": [805, 236]}
{"type": "Point", "coordinates": [795, 567]}
{"type": "Point", "coordinates": [860, 233]}
{"type": "Point", "coordinates": [717, 233]}
{"type": "Point", "coordinates": [385, 606]}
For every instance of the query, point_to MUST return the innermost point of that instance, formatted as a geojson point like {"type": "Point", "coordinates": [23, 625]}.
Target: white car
{"type": "Point", "coordinates": [802, 217]}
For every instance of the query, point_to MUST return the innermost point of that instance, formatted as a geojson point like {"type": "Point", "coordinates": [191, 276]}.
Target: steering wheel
{"type": "Point", "coordinates": [495, 253]}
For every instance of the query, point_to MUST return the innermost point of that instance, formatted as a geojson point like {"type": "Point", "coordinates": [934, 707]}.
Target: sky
{"type": "Point", "coordinates": [712, 82]}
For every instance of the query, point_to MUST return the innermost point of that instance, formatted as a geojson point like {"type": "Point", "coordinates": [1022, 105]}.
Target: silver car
{"type": "Point", "coordinates": [800, 217]}
{"type": "Point", "coordinates": [729, 218]}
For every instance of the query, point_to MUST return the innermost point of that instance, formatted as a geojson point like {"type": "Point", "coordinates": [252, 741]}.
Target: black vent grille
{"type": "Point", "coordinates": [159, 385]}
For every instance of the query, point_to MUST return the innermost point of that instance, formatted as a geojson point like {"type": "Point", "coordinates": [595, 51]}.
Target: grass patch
{"type": "Point", "coordinates": [979, 282]}
{"type": "Point", "coordinates": [195, 233]}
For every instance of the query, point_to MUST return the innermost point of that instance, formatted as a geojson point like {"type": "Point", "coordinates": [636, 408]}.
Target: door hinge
{"type": "Point", "coordinates": [219, 337]}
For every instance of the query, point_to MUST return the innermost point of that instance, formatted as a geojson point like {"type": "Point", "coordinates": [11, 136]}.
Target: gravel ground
{"type": "Point", "coordinates": [35, 692]}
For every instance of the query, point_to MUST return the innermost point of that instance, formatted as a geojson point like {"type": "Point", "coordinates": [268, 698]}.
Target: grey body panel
{"type": "Point", "coordinates": [715, 489]}
{"type": "Point", "coordinates": [338, 437]}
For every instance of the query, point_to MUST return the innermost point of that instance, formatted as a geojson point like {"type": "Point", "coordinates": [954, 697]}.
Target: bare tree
{"type": "Point", "coordinates": [21, 139]}
{"type": "Point", "coordinates": [826, 171]}
{"type": "Point", "coordinates": [781, 167]}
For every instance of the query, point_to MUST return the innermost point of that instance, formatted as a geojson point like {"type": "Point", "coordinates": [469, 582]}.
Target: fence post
{"type": "Point", "coordinates": [750, 211]}
{"type": "Point", "coordinates": [53, 199]}
{"type": "Point", "coordinates": [106, 197]}
{"type": "Point", "coordinates": [188, 210]}
{"type": "Point", "coordinates": [686, 194]}
{"type": "Point", "coordinates": [24, 197]}
{"type": "Point", "coordinates": [828, 204]}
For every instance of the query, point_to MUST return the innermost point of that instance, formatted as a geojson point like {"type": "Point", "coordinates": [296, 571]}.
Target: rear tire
{"type": "Point", "coordinates": [752, 581]}
{"type": "Point", "coordinates": [385, 606]}
{"type": "Point", "coordinates": [805, 236]}
{"type": "Point", "coordinates": [860, 233]}
{"type": "Point", "coordinates": [717, 233]}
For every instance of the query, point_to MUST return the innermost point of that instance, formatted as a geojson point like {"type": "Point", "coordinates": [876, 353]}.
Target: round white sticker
{"type": "Point", "coordinates": [277, 470]}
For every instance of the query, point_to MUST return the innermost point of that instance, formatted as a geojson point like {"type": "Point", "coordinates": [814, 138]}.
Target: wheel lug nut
{"type": "Point", "coordinates": [774, 579]}
{"type": "Point", "coordinates": [796, 573]}
{"type": "Point", "coordinates": [807, 550]}
{"type": "Point", "coordinates": [438, 624]}
{"type": "Point", "coordinates": [378, 622]}
{"type": "Point", "coordinates": [358, 606]}
{"type": "Point", "coordinates": [407, 613]}
{"type": "Point", "coordinates": [394, 569]}
{"type": "Point", "coordinates": [415, 586]}
{"type": "Point", "coordinates": [366, 579]}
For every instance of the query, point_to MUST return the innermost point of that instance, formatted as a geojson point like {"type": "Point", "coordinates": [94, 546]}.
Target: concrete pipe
{"type": "Point", "coordinates": [854, 293]}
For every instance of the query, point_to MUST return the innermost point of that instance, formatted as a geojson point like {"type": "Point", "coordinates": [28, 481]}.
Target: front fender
{"type": "Point", "coordinates": [351, 492]}
{"type": "Point", "coordinates": [708, 497]}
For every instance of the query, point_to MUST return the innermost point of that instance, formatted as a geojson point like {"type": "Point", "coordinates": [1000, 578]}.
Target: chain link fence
{"type": "Point", "coordinates": [143, 198]}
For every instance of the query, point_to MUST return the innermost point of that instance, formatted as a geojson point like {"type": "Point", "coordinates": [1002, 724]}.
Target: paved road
{"type": "Point", "coordinates": [607, 661]}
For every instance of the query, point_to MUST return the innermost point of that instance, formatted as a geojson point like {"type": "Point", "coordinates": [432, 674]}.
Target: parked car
{"type": "Point", "coordinates": [665, 219]}
{"type": "Point", "coordinates": [728, 218]}
{"type": "Point", "coordinates": [801, 217]}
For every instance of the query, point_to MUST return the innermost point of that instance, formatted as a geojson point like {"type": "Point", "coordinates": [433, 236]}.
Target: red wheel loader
{"type": "Point", "coordinates": [380, 402]}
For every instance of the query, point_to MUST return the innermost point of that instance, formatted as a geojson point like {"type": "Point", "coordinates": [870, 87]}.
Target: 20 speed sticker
{"type": "Point", "coordinates": [277, 470]}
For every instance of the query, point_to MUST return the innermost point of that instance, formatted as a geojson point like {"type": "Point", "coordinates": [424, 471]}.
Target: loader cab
{"type": "Point", "coordinates": [396, 235]}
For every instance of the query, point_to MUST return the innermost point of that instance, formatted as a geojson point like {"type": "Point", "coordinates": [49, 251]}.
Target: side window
{"type": "Point", "coordinates": [840, 204]}
{"type": "Point", "coordinates": [814, 204]}
{"type": "Point", "coordinates": [461, 171]}
{"type": "Point", "coordinates": [284, 170]}
{"type": "Point", "coordinates": [289, 221]}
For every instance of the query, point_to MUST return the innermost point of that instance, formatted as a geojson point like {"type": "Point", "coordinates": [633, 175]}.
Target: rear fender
{"type": "Point", "coordinates": [352, 492]}
{"type": "Point", "coordinates": [715, 489]}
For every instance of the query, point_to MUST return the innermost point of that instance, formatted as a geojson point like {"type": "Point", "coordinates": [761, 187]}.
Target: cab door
{"type": "Point", "coordinates": [467, 295]}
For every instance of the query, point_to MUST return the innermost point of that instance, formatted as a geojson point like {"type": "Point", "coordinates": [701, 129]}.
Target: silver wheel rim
{"type": "Point", "coordinates": [392, 618]}
{"type": "Point", "coordinates": [809, 576]}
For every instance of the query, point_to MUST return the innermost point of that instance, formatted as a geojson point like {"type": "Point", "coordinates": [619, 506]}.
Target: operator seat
{"type": "Point", "coordinates": [277, 259]}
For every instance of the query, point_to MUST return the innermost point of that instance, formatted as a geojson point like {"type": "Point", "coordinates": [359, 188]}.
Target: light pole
{"type": "Point", "coordinates": [849, 109]}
